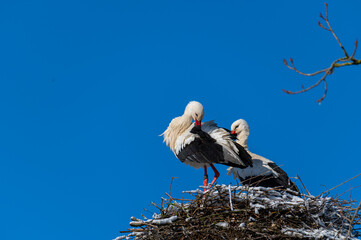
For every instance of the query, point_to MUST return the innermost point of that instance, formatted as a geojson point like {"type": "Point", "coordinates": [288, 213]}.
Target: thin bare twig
{"type": "Point", "coordinates": [353, 218]}
{"type": "Point", "coordinates": [298, 177]}
{"type": "Point", "coordinates": [354, 51]}
{"type": "Point", "coordinates": [170, 187]}
{"type": "Point", "coordinates": [339, 185]}
{"type": "Point", "coordinates": [155, 205]}
{"type": "Point", "coordinates": [338, 196]}
{"type": "Point", "coordinates": [134, 230]}
{"type": "Point", "coordinates": [347, 60]}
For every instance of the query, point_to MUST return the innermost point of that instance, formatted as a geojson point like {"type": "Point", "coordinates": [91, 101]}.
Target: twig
{"type": "Point", "coordinates": [171, 198]}
{"type": "Point", "coordinates": [298, 177]}
{"type": "Point", "coordinates": [230, 196]}
{"type": "Point", "coordinates": [155, 205]}
{"type": "Point", "coordinates": [353, 218]}
{"type": "Point", "coordinates": [347, 60]}
{"type": "Point", "coordinates": [170, 187]}
{"type": "Point", "coordinates": [338, 196]}
{"type": "Point", "coordinates": [134, 230]}
{"type": "Point", "coordinates": [339, 185]}
{"type": "Point", "coordinates": [183, 199]}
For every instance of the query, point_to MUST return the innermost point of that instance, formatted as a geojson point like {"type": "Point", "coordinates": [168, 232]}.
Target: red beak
{"type": "Point", "coordinates": [198, 123]}
{"type": "Point", "coordinates": [233, 132]}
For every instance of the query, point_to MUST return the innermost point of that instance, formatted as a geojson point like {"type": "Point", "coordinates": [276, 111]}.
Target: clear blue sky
{"type": "Point", "coordinates": [86, 87]}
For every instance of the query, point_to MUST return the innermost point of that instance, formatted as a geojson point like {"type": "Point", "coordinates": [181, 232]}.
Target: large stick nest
{"type": "Point", "coordinates": [239, 212]}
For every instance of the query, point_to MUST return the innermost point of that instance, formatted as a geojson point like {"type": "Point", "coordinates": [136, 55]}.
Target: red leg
{"type": "Point", "coordinates": [205, 182]}
{"type": "Point", "coordinates": [216, 174]}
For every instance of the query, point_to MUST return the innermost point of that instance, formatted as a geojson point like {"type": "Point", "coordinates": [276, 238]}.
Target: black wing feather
{"type": "Point", "coordinates": [206, 150]}
{"type": "Point", "coordinates": [283, 178]}
{"type": "Point", "coordinates": [282, 182]}
{"type": "Point", "coordinates": [201, 151]}
{"type": "Point", "coordinates": [243, 154]}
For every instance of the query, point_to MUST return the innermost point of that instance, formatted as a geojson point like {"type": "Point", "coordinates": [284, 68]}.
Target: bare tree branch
{"type": "Point", "coordinates": [347, 60]}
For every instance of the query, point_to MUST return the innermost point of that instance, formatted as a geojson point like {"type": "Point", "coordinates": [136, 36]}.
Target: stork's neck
{"type": "Point", "coordinates": [242, 140]}
{"type": "Point", "coordinates": [177, 128]}
{"type": "Point", "coordinates": [185, 123]}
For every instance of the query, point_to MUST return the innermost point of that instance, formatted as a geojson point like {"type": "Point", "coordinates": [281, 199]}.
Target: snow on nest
{"type": "Point", "coordinates": [318, 218]}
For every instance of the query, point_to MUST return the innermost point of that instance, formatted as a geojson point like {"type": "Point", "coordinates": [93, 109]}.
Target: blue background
{"type": "Point", "coordinates": [86, 87]}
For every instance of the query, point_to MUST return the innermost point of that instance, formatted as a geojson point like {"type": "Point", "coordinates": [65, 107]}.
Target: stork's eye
{"type": "Point", "coordinates": [196, 115]}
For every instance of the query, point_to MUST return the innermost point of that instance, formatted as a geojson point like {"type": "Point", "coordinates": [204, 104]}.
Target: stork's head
{"type": "Point", "coordinates": [195, 109]}
{"type": "Point", "coordinates": [240, 127]}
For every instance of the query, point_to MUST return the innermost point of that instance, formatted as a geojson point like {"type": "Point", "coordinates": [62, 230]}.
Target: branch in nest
{"type": "Point", "coordinates": [347, 60]}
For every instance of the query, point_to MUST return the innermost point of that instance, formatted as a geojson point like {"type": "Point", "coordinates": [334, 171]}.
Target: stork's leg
{"type": "Point", "coordinates": [216, 174]}
{"type": "Point", "coordinates": [205, 182]}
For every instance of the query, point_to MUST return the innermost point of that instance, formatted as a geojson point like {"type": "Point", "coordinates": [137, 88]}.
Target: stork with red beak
{"type": "Point", "coordinates": [202, 145]}
{"type": "Point", "coordinates": [264, 173]}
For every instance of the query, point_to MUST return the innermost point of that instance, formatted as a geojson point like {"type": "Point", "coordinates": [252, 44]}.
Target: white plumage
{"type": "Point", "coordinates": [264, 172]}
{"type": "Point", "coordinates": [203, 145]}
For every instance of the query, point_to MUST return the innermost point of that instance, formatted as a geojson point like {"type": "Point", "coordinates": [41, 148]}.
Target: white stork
{"type": "Point", "coordinates": [264, 172]}
{"type": "Point", "coordinates": [203, 145]}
